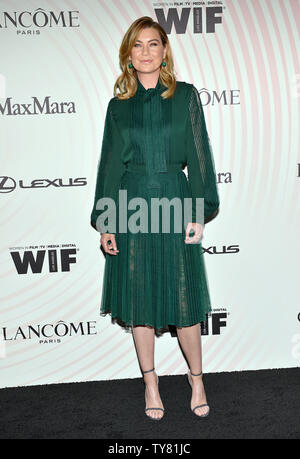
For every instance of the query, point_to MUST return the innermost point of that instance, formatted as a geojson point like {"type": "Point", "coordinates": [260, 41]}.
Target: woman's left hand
{"type": "Point", "coordinates": [198, 231]}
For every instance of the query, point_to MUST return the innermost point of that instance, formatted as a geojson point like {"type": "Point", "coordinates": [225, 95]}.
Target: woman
{"type": "Point", "coordinates": [154, 127]}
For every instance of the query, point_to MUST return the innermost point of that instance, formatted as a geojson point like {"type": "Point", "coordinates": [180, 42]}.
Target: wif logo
{"type": "Point", "coordinates": [49, 258]}
{"type": "Point", "coordinates": [216, 322]}
{"type": "Point", "coordinates": [200, 20]}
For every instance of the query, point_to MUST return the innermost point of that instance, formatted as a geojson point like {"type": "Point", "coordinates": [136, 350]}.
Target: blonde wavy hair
{"type": "Point", "coordinates": [126, 83]}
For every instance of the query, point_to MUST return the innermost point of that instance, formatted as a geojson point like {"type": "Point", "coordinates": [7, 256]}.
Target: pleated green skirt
{"type": "Point", "coordinates": [156, 279]}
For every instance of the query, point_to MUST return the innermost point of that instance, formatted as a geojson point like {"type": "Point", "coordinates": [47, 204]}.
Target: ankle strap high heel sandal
{"type": "Point", "coordinates": [148, 409]}
{"type": "Point", "coordinates": [197, 406]}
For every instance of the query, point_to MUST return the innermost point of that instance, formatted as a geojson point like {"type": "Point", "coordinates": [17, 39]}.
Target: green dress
{"type": "Point", "coordinates": [156, 278]}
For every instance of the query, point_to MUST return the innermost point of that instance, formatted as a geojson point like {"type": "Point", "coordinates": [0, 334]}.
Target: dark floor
{"type": "Point", "coordinates": [249, 404]}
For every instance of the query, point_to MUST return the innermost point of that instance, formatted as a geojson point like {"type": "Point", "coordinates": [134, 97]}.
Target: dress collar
{"type": "Point", "coordinates": [158, 88]}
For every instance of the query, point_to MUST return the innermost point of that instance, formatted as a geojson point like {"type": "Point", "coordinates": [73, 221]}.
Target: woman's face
{"type": "Point", "coordinates": [148, 52]}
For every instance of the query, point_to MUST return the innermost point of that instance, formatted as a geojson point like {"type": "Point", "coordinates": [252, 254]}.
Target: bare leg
{"type": "Point", "coordinates": [190, 341]}
{"type": "Point", "coordinates": [144, 341]}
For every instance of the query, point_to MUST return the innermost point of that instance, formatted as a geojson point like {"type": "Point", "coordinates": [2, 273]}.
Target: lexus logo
{"type": "Point", "coordinates": [7, 184]}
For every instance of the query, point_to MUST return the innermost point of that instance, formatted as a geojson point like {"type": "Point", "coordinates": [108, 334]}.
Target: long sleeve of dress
{"type": "Point", "coordinates": [200, 161]}
{"type": "Point", "coordinates": [110, 168]}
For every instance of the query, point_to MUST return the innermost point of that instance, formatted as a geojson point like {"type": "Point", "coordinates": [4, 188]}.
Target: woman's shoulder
{"type": "Point", "coordinates": [184, 89]}
{"type": "Point", "coordinates": [183, 93]}
{"type": "Point", "coordinates": [114, 105]}
{"type": "Point", "coordinates": [112, 101]}
{"type": "Point", "coordinates": [184, 85]}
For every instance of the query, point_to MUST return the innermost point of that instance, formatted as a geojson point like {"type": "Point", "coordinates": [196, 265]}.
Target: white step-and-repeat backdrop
{"type": "Point", "coordinates": [58, 65]}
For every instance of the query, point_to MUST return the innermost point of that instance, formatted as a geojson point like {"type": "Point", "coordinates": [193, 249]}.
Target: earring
{"type": "Point", "coordinates": [164, 64]}
{"type": "Point", "coordinates": [130, 65]}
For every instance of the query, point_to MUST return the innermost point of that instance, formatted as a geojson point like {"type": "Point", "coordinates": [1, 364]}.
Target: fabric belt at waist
{"type": "Point", "coordinates": [134, 167]}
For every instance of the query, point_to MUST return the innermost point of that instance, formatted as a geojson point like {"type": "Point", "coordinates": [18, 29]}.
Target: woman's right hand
{"type": "Point", "coordinates": [109, 248]}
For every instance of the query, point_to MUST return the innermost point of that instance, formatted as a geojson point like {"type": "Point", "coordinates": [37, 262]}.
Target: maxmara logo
{"type": "Point", "coordinates": [48, 333]}
{"type": "Point", "coordinates": [27, 21]}
{"type": "Point", "coordinates": [36, 107]}
{"type": "Point", "coordinates": [202, 20]}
